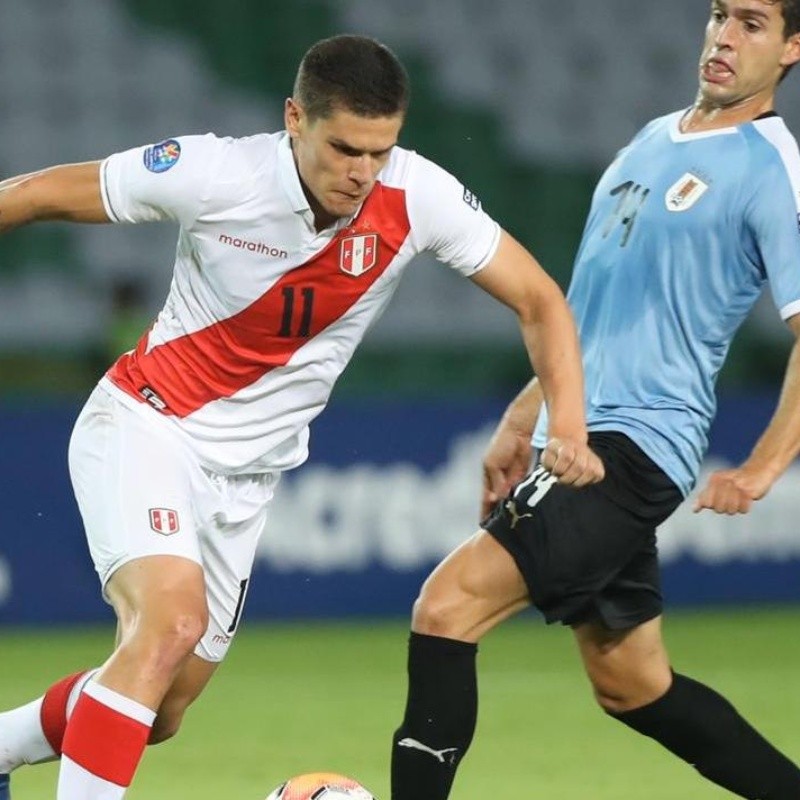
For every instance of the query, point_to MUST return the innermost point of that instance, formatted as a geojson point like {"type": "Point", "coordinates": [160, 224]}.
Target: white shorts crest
{"type": "Point", "coordinates": [164, 521]}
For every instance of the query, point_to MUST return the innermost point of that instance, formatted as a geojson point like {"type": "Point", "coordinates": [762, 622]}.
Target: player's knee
{"type": "Point", "coordinates": [612, 687]}
{"type": "Point", "coordinates": [611, 698]}
{"type": "Point", "coordinates": [612, 684]}
{"type": "Point", "coordinates": [169, 638]}
{"type": "Point", "coordinates": [184, 630]}
{"type": "Point", "coordinates": [618, 693]}
{"type": "Point", "coordinates": [436, 616]}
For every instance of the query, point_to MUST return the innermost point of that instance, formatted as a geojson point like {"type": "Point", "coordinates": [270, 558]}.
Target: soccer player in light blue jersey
{"type": "Point", "coordinates": [687, 225]}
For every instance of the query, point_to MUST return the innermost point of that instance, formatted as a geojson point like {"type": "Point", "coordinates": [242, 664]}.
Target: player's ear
{"type": "Point", "coordinates": [293, 116]}
{"type": "Point", "coordinates": [791, 51]}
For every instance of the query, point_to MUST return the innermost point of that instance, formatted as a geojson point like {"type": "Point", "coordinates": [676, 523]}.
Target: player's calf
{"type": "Point", "coordinates": [167, 723]}
{"type": "Point", "coordinates": [193, 677]}
{"type": "Point", "coordinates": [440, 716]}
{"type": "Point", "coordinates": [703, 728]}
{"type": "Point", "coordinates": [107, 733]}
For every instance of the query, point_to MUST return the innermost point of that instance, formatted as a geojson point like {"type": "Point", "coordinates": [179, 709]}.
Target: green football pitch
{"type": "Point", "coordinates": [294, 698]}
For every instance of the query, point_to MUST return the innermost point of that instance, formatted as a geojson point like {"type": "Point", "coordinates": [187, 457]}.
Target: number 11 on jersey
{"type": "Point", "coordinates": [288, 321]}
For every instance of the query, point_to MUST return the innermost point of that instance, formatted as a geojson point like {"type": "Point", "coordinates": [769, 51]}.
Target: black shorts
{"type": "Point", "coordinates": [590, 553]}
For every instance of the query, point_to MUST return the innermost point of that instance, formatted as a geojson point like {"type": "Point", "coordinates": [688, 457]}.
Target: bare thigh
{"type": "Point", "coordinates": [471, 591]}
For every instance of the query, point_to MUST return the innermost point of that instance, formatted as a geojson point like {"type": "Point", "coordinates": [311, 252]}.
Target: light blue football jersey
{"type": "Point", "coordinates": [683, 232]}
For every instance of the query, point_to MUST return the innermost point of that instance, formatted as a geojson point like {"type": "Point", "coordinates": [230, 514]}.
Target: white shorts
{"type": "Point", "coordinates": [141, 492]}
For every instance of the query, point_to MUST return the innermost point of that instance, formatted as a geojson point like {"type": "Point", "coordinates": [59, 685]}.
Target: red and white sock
{"type": "Point", "coordinates": [103, 744]}
{"type": "Point", "coordinates": [57, 706]}
{"type": "Point", "coordinates": [32, 734]}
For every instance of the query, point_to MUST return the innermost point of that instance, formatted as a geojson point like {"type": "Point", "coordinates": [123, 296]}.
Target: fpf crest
{"type": "Point", "coordinates": [164, 521]}
{"type": "Point", "coordinates": [357, 254]}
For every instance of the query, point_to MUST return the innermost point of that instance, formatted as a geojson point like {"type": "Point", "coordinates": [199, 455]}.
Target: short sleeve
{"type": "Point", "coordinates": [774, 218]}
{"type": "Point", "coordinates": [163, 181]}
{"type": "Point", "coordinates": [448, 220]}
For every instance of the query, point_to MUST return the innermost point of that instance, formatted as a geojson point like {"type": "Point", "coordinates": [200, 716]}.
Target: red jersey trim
{"type": "Point", "coordinates": [184, 374]}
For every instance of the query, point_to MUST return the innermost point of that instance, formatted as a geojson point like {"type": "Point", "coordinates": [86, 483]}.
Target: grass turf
{"type": "Point", "coordinates": [326, 696]}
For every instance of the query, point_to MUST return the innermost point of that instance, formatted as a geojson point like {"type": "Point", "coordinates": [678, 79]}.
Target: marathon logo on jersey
{"type": "Point", "coordinates": [259, 248]}
{"type": "Point", "coordinates": [358, 254]}
{"type": "Point", "coordinates": [162, 156]}
{"type": "Point", "coordinates": [683, 194]}
{"type": "Point", "coordinates": [471, 200]}
{"type": "Point", "coordinates": [164, 521]}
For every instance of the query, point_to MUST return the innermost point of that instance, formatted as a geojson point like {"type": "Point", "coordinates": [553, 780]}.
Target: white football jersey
{"type": "Point", "coordinates": [264, 312]}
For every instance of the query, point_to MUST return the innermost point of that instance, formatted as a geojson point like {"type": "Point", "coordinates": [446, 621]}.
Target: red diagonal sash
{"type": "Point", "coordinates": [185, 373]}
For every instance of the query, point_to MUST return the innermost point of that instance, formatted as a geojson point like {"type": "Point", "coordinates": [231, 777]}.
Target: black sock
{"type": "Point", "coordinates": [441, 712]}
{"type": "Point", "coordinates": [703, 728]}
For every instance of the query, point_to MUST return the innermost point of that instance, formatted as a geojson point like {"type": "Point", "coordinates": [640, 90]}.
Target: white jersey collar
{"type": "Point", "coordinates": [290, 179]}
{"type": "Point", "coordinates": [679, 136]}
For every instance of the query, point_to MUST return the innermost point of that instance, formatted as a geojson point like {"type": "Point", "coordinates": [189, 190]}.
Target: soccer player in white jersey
{"type": "Point", "coordinates": [290, 245]}
{"type": "Point", "coordinates": [686, 227]}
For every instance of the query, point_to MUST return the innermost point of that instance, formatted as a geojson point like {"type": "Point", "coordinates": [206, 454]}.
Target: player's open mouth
{"type": "Point", "coordinates": [717, 71]}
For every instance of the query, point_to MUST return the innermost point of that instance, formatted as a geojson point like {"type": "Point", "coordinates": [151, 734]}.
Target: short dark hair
{"type": "Point", "coordinates": [790, 9]}
{"type": "Point", "coordinates": [354, 73]}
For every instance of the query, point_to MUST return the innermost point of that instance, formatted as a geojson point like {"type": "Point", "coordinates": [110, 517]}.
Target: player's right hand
{"type": "Point", "coordinates": [573, 463]}
{"type": "Point", "coordinates": [733, 491]}
{"type": "Point", "coordinates": [506, 463]}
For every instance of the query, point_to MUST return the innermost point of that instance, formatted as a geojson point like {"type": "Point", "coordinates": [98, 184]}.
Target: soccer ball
{"type": "Point", "coordinates": [321, 786]}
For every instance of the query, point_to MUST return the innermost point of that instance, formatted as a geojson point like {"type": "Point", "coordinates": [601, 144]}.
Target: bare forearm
{"type": "Point", "coordinates": [12, 206]}
{"type": "Point", "coordinates": [68, 192]}
{"type": "Point", "coordinates": [552, 343]}
{"type": "Point", "coordinates": [779, 445]}
{"type": "Point", "coordinates": [515, 278]}
{"type": "Point", "coordinates": [524, 409]}
{"type": "Point", "coordinates": [733, 491]}
{"type": "Point", "coordinates": [548, 330]}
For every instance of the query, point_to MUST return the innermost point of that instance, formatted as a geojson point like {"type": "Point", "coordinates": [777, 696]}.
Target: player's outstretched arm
{"type": "Point", "coordinates": [515, 278]}
{"type": "Point", "coordinates": [733, 491]}
{"type": "Point", "coordinates": [67, 192]}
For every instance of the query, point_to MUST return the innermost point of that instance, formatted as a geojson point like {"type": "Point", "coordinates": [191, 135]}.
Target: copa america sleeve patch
{"type": "Point", "coordinates": [162, 156]}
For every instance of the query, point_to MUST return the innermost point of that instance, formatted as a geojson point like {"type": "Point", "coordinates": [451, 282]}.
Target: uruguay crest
{"type": "Point", "coordinates": [684, 193]}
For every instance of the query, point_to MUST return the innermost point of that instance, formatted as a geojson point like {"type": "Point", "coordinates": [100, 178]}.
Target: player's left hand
{"type": "Point", "coordinates": [733, 491]}
{"type": "Point", "coordinates": [573, 463]}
